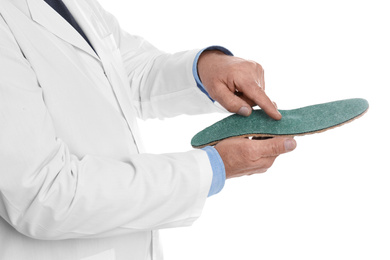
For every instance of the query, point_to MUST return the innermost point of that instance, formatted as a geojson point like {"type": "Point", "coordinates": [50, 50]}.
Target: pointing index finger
{"type": "Point", "coordinates": [264, 102]}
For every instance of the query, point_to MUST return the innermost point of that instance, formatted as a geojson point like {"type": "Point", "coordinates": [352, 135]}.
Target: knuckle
{"type": "Point", "coordinates": [274, 149]}
{"type": "Point", "coordinates": [252, 65]}
{"type": "Point", "coordinates": [259, 67]}
{"type": "Point", "coordinates": [255, 66]}
{"type": "Point", "coordinates": [260, 89]}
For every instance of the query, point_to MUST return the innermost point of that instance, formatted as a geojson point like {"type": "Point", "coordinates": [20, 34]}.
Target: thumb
{"type": "Point", "coordinates": [276, 146]}
{"type": "Point", "coordinates": [232, 102]}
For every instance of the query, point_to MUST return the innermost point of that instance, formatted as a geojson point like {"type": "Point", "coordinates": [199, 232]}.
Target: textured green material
{"type": "Point", "coordinates": [305, 120]}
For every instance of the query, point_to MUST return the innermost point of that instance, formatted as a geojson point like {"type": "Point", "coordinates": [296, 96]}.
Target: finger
{"type": "Point", "coordinates": [250, 101]}
{"type": "Point", "coordinates": [232, 102]}
{"type": "Point", "coordinates": [245, 98]}
{"type": "Point", "coordinates": [263, 101]}
{"type": "Point", "coordinates": [275, 146]}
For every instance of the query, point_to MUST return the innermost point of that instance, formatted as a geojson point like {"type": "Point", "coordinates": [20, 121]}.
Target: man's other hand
{"type": "Point", "coordinates": [243, 156]}
{"type": "Point", "coordinates": [236, 84]}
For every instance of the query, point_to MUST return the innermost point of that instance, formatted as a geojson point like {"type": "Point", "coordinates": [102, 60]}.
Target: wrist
{"type": "Point", "coordinates": [205, 61]}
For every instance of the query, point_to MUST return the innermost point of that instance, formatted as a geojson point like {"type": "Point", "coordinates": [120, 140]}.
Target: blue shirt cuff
{"type": "Point", "coordinates": [219, 175]}
{"type": "Point", "coordinates": [195, 66]}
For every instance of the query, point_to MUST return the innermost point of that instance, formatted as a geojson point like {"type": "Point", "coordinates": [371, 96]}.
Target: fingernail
{"type": "Point", "coordinates": [290, 144]}
{"type": "Point", "coordinates": [243, 111]}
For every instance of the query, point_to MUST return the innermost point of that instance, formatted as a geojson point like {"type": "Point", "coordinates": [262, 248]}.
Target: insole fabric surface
{"type": "Point", "coordinates": [301, 121]}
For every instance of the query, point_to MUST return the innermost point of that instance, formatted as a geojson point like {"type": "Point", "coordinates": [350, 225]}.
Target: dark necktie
{"type": "Point", "coordinates": [60, 8]}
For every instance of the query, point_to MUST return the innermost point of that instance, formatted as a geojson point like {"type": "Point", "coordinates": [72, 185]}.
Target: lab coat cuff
{"type": "Point", "coordinates": [205, 179]}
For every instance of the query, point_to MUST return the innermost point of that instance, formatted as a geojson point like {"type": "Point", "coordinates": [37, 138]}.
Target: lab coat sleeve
{"type": "Point", "coordinates": [162, 84]}
{"type": "Point", "coordinates": [46, 192]}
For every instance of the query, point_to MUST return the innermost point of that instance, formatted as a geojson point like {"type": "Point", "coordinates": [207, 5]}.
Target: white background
{"type": "Point", "coordinates": [329, 199]}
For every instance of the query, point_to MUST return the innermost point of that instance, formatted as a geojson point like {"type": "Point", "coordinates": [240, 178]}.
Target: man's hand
{"type": "Point", "coordinates": [242, 156]}
{"type": "Point", "coordinates": [237, 84]}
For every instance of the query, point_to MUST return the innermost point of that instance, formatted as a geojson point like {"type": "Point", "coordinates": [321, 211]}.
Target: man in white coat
{"type": "Point", "coordinates": [74, 183]}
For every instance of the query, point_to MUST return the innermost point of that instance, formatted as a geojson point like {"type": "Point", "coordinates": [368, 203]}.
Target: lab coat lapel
{"type": "Point", "coordinates": [46, 16]}
{"type": "Point", "coordinates": [91, 21]}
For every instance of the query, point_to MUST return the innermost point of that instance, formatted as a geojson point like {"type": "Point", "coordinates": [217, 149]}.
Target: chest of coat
{"type": "Point", "coordinates": [80, 89]}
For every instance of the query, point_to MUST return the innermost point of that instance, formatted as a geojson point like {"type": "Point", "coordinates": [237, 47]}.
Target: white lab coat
{"type": "Point", "coordinates": [72, 182]}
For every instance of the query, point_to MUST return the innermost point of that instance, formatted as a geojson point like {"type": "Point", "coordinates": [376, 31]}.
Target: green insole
{"type": "Point", "coordinates": [301, 121]}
